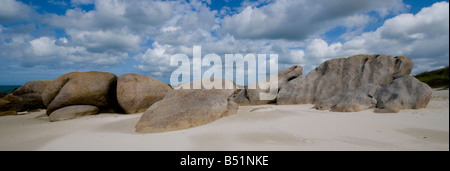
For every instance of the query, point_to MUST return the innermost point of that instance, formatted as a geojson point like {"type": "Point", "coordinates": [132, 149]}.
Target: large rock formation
{"type": "Point", "coordinates": [356, 100]}
{"type": "Point", "coordinates": [252, 96]}
{"type": "Point", "coordinates": [11, 103]}
{"type": "Point", "coordinates": [337, 76]}
{"type": "Point", "coordinates": [32, 87]}
{"type": "Point", "coordinates": [403, 93]}
{"type": "Point", "coordinates": [82, 88]}
{"type": "Point", "coordinates": [136, 93]}
{"type": "Point", "coordinates": [25, 98]}
{"type": "Point", "coordinates": [186, 108]}
{"type": "Point", "coordinates": [72, 112]}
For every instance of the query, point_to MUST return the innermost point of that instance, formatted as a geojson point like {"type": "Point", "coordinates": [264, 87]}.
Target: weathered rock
{"type": "Point", "coordinates": [32, 87]}
{"type": "Point", "coordinates": [340, 75]}
{"type": "Point", "coordinates": [10, 103]}
{"type": "Point", "coordinates": [72, 112]}
{"type": "Point", "coordinates": [8, 113]}
{"type": "Point", "coordinates": [82, 88]}
{"type": "Point", "coordinates": [356, 100]}
{"type": "Point", "coordinates": [252, 96]}
{"type": "Point", "coordinates": [136, 93]}
{"type": "Point", "coordinates": [187, 108]}
{"type": "Point", "coordinates": [25, 102]}
{"type": "Point", "coordinates": [3, 94]}
{"type": "Point", "coordinates": [403, 93]}
{"type": "Point", "coordinates": [25, 98]}
{"type": "Point", "coordinates": [3, 102]}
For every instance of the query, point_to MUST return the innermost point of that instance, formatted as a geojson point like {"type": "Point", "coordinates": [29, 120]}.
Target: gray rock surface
{"type": "Point", "coordinates": [208, 84]}
{"type": "Point", "coordinates": [356, 100]}
{"type": "Point", "coordinates": [403, 93]}
{"type": "Point", "coordinates": [82, 88]}
{"type": "Point", "coordinates": [337, 76]}
{"type": "Point", "coordinates": [136, 93]}
{"type": "Point", "coordinates": [72, 112]}
{"type": "Point", "coordinates": [252, 96]}
{"type": "Point", "coordinates": [187, 108]}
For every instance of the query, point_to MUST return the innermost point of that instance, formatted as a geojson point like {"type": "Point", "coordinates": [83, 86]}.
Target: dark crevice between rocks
{"type": "Point", "coordinates": [364, 64]}
{"type": "Point", "coordinates": [113, 103]}
{"type": "Point", "coordinates": [55, 94]}
{"type": "Point", "coordinates": [290, 79]}
{"type": "Point", "coordinates": [398, 64]}
{"type": "Point", "coordinates": [246, 94]}
{"type": "Point", "coordinates": [274, 101]}
{"type": "Point", "coordinates": [325, 68]}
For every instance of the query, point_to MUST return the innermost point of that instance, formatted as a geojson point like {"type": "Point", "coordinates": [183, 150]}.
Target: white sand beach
{"type": "Point", "coordinates": [267, 127]}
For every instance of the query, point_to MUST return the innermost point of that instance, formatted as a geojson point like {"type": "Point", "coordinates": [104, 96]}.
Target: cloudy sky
{"type": "Point", "coordinates": [41, 40]}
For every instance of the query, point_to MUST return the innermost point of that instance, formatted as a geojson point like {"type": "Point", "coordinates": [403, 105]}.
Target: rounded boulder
{"type": "Point", "coordinates": [82, 88]}
{"type": "Point", "coordinates": [136, 93]}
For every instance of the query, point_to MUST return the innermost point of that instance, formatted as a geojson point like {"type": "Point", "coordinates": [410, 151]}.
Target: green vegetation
{"type": "Point", "coordinates": [435, 79]}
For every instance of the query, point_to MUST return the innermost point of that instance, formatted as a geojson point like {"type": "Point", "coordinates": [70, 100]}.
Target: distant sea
{"type": "Point", "coordinates": [8, 88]}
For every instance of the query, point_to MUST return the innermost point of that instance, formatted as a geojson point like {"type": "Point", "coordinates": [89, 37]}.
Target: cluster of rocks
{"type": "Point", "coordinates": [25, 98]}
{"type": "Point", "coordinates": [84, 93]}
{"type": "Point", "coordinates": [358, 83]}
{"type": "Point", "coordinates": [248, 96]}
{"type": "Point", "coordinates": [351, 84]}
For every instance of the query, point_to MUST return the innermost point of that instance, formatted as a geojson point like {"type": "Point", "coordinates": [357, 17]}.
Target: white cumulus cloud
{"type": "Point", "coordinates": [301, 19]}
{"type": "Point", "coordinates": [143, 35]}
{"type": "Point", "coordinates": [12, 10]}
{"type": "Point", "coordinates": [424, 37]}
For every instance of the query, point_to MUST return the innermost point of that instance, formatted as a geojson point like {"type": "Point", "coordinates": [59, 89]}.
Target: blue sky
{"type": "Point", "coordinates": [41, 40]}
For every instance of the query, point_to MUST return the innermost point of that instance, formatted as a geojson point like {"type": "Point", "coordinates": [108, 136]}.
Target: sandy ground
{"type": "Point", "coordinates": [269, 127]}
